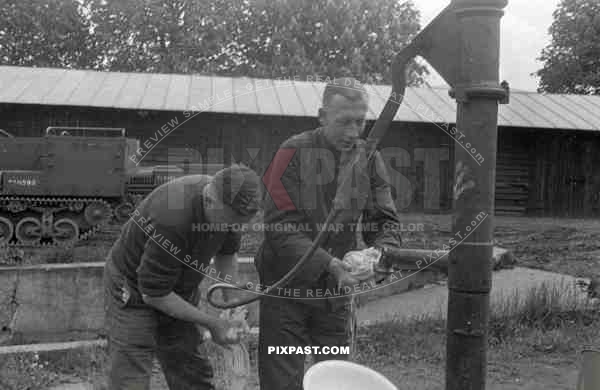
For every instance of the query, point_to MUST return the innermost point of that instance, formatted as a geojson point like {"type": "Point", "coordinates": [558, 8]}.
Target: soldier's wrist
{"type": "Point", "coordinates": [335, 267]}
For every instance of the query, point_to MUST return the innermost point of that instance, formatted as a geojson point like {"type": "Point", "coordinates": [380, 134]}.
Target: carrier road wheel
{"type": "Point", "coordinates": [96, 213]}
{"type": "Point", "coordinates": [6, 230]}
{"type": "Point", "coordinates": [123, 211]}
{"type": "Point", "coordinates": [29, 231]}
{"type": "Point", "coordinates": [66, 232]}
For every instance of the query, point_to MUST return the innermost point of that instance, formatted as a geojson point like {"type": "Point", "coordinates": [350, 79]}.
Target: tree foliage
{"type": "Point", "coordinates": [174, 36]}
{"type": "Point", "coordinates": [572, 60]}
{"type": "Point", "coordinates": [287, 38]}
{"type": "Point", "coordinates": [254, 38]}
{"type": "Point", "coordinates": [44, 33]}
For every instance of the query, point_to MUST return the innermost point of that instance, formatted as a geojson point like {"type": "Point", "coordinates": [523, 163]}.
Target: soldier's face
{"type": "Point", "coordinates": [343, 121]}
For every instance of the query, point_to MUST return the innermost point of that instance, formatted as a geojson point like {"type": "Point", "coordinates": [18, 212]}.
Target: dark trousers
{"type": "Point", "coordinates": [289, 322]}
{"type": "Point", "coordinates": [138, 333]}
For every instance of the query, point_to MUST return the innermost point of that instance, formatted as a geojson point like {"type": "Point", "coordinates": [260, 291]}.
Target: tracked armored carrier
{"type": "Point", "coordinates": [63, 187]}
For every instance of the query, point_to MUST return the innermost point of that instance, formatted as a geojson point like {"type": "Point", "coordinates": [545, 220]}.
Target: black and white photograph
{"type": "Point", "coordinates": [299, 195]}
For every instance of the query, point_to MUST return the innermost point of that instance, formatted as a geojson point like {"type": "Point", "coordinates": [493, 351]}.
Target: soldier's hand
{"type": "Point", "coordinates": [341, 271]}
{"type": "Point", "coordinates": [381, 275]}
{"type": "Point", "coordinates": [225, 332]}
{"type": "Point", "coordinates": [347, 281]}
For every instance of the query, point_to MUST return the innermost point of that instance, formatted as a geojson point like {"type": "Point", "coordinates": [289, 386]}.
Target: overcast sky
{"type": "Point", "coordinates": [524, 33]}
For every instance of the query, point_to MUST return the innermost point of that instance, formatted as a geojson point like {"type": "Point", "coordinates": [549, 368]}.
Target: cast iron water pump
{"type": "Point", "coordinates": [462, 43]}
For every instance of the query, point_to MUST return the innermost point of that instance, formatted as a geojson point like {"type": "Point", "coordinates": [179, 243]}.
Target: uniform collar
{"type": "Point", "coordinates": [323, 141]}
{"type": "Point", "coordinates": [198, 204]}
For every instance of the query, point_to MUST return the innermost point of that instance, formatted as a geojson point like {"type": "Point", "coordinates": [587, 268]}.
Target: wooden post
{"type": "Point", "coordinates": [588, 173]}
{"type": "Point", "coordinates": [478, 93]}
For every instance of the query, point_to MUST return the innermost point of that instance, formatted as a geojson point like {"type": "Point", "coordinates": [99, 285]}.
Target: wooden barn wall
{"type": "Point", "coordinates": [205, 138]}
{"type": "Point", "coordinates": [591, 173]}
{"type": "Point", "coordinates": [513, 164]}
{"type": "Point", "coordinates": [32, 120]}
{"type": "Point", "coordinates": [419, 158]}
{"type": "Point", "coordinates": [565, 174]}
{"type": "Point", "coordinates": [417, 155]}
{"type": "Point", "coordinates": [539, 172]}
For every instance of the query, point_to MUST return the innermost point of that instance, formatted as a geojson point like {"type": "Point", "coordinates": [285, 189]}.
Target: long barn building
{"type": "Point", "coordinates": [548, 155]}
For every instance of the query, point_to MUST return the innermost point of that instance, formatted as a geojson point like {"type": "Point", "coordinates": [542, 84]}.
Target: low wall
{"type": "Point", "coordinates": [47, 302]}
{"type": "Point", "coordinates": [64, 302]}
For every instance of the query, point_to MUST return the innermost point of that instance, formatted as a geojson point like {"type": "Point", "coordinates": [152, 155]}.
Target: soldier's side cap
{"type": "Point", "coordinates": [239, 187]}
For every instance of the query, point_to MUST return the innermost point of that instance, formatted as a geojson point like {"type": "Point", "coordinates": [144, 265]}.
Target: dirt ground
{"type": "Point", "coordinates": [570, 246]}
{"type": "Point", "coordinates": [533, 360]}
{"type": "Point", "coordinates": [525, 374]}
{"type": "Point", "coordinates": [566, 246]}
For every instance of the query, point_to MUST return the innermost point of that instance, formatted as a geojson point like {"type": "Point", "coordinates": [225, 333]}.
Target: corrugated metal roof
{"type": "Point", "coordinates": [171, 92]}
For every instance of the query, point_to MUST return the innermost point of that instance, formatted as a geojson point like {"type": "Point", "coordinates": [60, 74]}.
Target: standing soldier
{"type": "Point", "coordinates": [304, 318]}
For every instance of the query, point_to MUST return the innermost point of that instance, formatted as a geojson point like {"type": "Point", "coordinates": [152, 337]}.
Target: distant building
{"type": "Point", "coordinates": [548, 147]}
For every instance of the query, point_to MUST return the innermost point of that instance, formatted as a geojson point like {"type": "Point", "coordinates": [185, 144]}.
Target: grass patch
{"type": "Point", "coordinates": [544, 308]}
{"type": "Point", "coordinates": [25, 371]}
{"type": "Point", "coordinates": [547, 321]}
{"type": "Point", "coordinates": [44, 369]}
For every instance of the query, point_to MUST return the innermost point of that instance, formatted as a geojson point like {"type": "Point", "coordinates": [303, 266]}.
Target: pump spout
{"type": "Point", "coordinates": [400, 259]}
